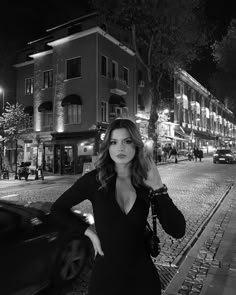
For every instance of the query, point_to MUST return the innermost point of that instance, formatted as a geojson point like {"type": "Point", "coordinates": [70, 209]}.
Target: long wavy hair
{"type": "Point", "coordinates": [106, 166]}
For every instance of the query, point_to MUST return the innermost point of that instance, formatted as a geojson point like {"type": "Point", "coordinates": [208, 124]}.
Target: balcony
{"type": "Point", "coordinates": [118, 86]}
{"type": "Point", "coordinates": [141, 83]}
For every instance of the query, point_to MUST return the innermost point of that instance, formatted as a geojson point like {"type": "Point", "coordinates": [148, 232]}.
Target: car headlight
{"type": "Point", "coordinates": [215, 155]}
{"type": "Point", "coordinates": [229, 155]}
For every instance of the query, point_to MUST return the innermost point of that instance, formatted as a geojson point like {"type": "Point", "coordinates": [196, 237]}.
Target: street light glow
{"type": "Point", "coordinates": [2, 91]}
{"type": "Point", "coordinates": [166, 111]}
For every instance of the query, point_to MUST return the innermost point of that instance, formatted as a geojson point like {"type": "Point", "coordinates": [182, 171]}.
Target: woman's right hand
{"type": "Point", "coordinates": [95, 241]}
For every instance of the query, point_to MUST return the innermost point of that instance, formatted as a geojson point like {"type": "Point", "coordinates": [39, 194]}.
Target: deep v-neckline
{"type": "Point", "coordinates": [122, 210]}
{"type": "Point", "coordinates": [131, 208]}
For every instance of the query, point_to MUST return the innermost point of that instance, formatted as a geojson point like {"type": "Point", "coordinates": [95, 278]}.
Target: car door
{"type": "Point", "coordinates": [25, 255]}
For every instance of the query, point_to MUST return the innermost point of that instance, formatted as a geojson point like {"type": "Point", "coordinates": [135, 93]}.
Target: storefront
{"type": "Point", "coordinates": [38, 149]}
{"type": "Point", "coordinates": [73, 149]}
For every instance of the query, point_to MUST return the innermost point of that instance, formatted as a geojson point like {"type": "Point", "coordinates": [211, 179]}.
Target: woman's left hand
{"type": "Point", "coordinates": [153, 179]}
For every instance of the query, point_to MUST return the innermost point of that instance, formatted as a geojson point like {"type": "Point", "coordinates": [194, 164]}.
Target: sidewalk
{"type": "Point", "coordinates": [50, 176]}
{"type": "Point", "coordinates": [210, 266]}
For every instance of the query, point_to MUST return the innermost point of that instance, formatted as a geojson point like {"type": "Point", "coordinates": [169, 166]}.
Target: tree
{"type": "Point", "coordinates": [224, 54]}
{"type": "Point", "coordinates": [14, 122]}
{"type": "Point", "coordinates": [166, 36]}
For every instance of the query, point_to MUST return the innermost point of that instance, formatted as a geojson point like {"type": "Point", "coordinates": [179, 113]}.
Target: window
{"type": "Point", "coordinates": [29, 86]}
{"type": "Point", "coordinates": [193, 95]}
{"type": "Point", "coordinates": [47, 79]}
{"type": "Point", "coordinates": [73, 114]}
{"type": "Point", "coordinates": [180, 87]}
{"type": "Point", "coordinates": [141, 106]}
{"type": "Point", "coordinates": [118, 112]}
{"type": "Point", "coordinates": [104, 111]}
{"type": "Point", "coordinates": [114, 73]}
{"type": "Point", "coordinates": [126, 75]}
{"type": "Point", "coordinates": [47, 118]}
{"type": "Point", "coordinates": [104, 66]}
{"type": "Point", "coordinates": [125, 112]}
{"type": "Point", "coordinates": [73, 68]}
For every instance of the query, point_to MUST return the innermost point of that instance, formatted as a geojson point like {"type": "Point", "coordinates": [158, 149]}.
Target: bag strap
{"type": "Point", "coordinates": [154, 215]}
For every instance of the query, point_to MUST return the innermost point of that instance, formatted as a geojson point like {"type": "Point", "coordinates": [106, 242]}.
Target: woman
{"type": "Point", "coordinates": [118, 189]}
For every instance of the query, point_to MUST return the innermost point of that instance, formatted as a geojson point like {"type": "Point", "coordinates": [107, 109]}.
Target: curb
{"type": "Point", "coordinates": [178, 261]}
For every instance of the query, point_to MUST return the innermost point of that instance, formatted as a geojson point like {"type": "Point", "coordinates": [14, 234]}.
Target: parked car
{"type": "Point", "coordinates": [223, 156]}
{"type": "Point", "coordinates": [24, 170]}
{"type": "Point", "coordinates": [36, 252]}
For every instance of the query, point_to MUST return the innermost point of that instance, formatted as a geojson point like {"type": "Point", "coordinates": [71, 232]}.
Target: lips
{"type": "Point", "coordinates": [121, 156]}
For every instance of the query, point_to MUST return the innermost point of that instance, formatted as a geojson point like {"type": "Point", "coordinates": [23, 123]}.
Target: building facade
{"type": "Point", "coordinates": [206, 120]}
{"type": "Point", "coordinates": [81, 76]}
{"type": "Point", "coordinates": [73, 82]}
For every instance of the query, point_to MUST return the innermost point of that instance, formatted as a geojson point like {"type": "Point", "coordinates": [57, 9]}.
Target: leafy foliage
{"type": "Point", "coordinates": [166, 35]}
{"type": "Point", "coordinates": [223, 81]}
{"type": "Point", "coordinates": [14, 122]}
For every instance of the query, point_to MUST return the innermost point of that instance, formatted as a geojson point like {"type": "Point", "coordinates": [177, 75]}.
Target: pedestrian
{"type": "Point", "coordinates": [159, 154]}
{"type": "Point", "coordinates": [173, 152]}
{"type": "Point", "coordinates": [118, 189]}
{"type": "Point", "coordinates": [165, 153]}
{"type": "Point", "coordinates": [189, 154]}
{"type": "Point", "coordinates": [200, 155]}
{"type": "Point", "coordinates": [195, 153]}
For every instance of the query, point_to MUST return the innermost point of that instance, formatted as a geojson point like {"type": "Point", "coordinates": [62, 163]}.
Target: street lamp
{"type": "Point", "coordinates": [2, 152]}
{"type": "Point", "coordinates": [2, 91]}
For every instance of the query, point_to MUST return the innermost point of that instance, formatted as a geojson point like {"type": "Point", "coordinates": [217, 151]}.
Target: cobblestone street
{"type": "Point", "coordinates": [196, 188]}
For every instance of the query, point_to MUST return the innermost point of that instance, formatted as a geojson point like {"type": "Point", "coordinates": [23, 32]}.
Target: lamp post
{"type": "Point", "coordinates": [2, 152]}
{"type": "Point", "coordinates": [193, 103]}
{"type": "Point", "coordinates": [16, 174]}
{"type": "Point", "coordinates": [3, 94]}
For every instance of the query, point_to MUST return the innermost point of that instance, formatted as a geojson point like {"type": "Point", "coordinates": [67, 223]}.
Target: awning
{"type": "Point", "coordinates": [29, 110]}
{"type": "Point", "coordinates": [179, 131]}
{"type": "Point", "coordinates": [117, 99]}
{"type": "Point", "coordinates": [71, 99]}
{"type": "Point", "coordinates": [203, 135]}
{"type": "Point", "coordinates": [177, 138]}
{"type": "Point", "coordinates": [45, 106]}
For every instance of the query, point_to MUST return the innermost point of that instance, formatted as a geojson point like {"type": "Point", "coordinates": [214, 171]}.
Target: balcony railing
{"type": "Point", "coordinates": [118, 86]}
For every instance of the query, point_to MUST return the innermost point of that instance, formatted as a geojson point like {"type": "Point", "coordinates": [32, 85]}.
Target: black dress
{"type": "Point", "coordinates": [125, 268]}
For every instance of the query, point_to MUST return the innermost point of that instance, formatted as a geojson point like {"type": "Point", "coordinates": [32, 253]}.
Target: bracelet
{"type": "Point", "coordinates": [161, 191]}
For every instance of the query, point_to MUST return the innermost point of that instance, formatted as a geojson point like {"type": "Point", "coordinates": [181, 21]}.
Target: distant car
{"type": "Point", "coordinates": [183, 152]}
{"type": "Point", "coordinates": [36, 253]}
{"type": "Point", "coordinates": [223, 156]}
{"type": "Point", "coordinates": [234, 155]}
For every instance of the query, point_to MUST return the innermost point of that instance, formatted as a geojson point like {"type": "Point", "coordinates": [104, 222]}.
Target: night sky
{"type": "Point", "coordinates": [27, 20]}
{"type": "Point", "coordinates": [24, 21]}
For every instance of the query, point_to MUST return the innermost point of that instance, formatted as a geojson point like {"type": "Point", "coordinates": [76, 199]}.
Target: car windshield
{"type": "Point", "coordinates": [223, 152]}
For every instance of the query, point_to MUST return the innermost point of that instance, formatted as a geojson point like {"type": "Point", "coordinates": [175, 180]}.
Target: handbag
{"type": "Point", "coordinates": [152, 241]}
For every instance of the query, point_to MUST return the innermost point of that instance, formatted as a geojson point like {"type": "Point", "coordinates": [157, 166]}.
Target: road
{"type": "Point", "coordinates": [197, 188]}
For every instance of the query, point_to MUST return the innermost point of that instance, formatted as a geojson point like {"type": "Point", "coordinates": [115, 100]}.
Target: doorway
{"type": "Point", "coordinates": [67, 159]}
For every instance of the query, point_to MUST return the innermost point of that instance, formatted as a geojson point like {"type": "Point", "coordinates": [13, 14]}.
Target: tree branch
{"type": "Point", "coordinates": [135, 47]}
{"type": "Point", "coordinates": [150, 51]}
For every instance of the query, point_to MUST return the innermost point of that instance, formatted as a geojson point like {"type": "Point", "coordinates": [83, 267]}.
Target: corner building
{"type": "Point", "coordinates": [73, 82]}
